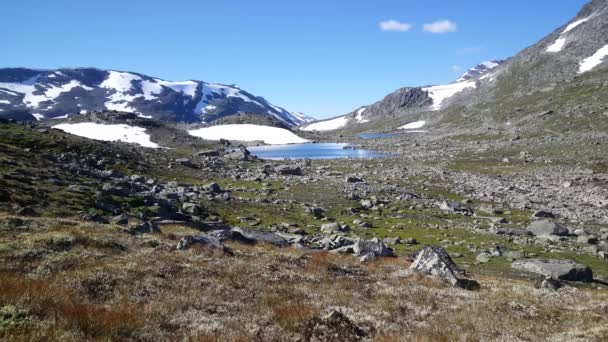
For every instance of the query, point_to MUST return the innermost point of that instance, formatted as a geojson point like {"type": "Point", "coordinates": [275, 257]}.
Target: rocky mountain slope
{"type": "Point", "coordinates": [564, 73]}
{"type": "Point", "coordinates": [27, 93]}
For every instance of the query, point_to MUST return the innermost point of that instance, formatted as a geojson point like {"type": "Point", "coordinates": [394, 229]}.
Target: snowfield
{"type": "Point", "coordinates": [95, 131]}
{"type": "Point", "coordinates": [267, 134]}
{"type": "Point", "coordinates": [28, 87]}
{"type": "Point", "coordinates": [359, 116]}
{"type": "Point", "coordinates": [559, 44]}
{"type": "Point", "coordinates": [414, 125]}
{"type": "Point", "coordinates": [441, 93]}
{"type": "Point", "coordinates": [575, 24]}
{"type": "Point", "coordinates": [589, 63]}
{"type": "Point", "coordinates": [328, 125]}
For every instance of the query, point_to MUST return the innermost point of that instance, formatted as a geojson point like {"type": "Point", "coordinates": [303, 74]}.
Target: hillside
{"type": "Point", "coordinates": [564, 74]}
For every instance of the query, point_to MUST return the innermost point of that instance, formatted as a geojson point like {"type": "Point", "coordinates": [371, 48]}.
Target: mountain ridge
{"type": "Point", "coordinates": [55, 93]}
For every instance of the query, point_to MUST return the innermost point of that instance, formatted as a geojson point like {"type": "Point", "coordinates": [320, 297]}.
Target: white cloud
{"type": "Point", "coordinates": [440, 26]}
{"type": "Point", "coordinates": [394, 26]}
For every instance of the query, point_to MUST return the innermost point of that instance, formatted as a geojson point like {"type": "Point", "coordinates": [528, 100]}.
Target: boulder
{"type": "Point", "coordinates": [456, 208]}
{"type": "Point", "coordinates": [557, 269]}
{"type": "Point", "coordinates": [259, 236]}
{"type": "Point", "coordinates": [543, 214]}
{"type": "Point", "coordinates": [314, 211]}
{"type": "Point", "coordinates": [145, 228]}
{"type": "Point", "coordinates": [209, 241]}
{"type": "Point", "coordinates": [332, 228]}
{"type": "Point", "coordinates": [354, 179]}
{"type": "Point", "coordinates": [484, 257]}
{"type": "Point", "coordinates": [213, 188]}
{"type": "Point", "coordinates": [288, 170]}
{"type": "Point", "coordinates": [374, 246]}
{"type": "Point", "coordinates": [192, 208]}
{"type": "Point", "coordinates": [435, 261]}
{"type": "Point", "coordinates": [207, 153]}
{"type": "Point", "coordinates": [547, 228]}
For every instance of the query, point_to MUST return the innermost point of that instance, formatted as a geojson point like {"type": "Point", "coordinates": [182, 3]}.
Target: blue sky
{"type": "Point", "coordinates": [321, 57]}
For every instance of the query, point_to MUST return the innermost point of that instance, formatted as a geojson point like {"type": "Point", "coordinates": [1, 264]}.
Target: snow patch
{"type": "Point", "coordinates": [5, 102]}
{"type": "Point", "coordinates": [28, 87]}
{"type": "Point", "coordinates": [120, 82]}
{"type": "Point", "coordinates": [414, 125]}
{"type": "Point", "coordinates": [209, 108]}
{"type": "Point", "coordinates": [38, 116]}
{"type": "Point", "coordinates": [328, 125]}
{"type": "Point", "coordinates": [120, 132]}
{"type": "Point", "coordinates": [441, 93]}
{"type": "Point", "coordinates": [575, 24]}
{"type": "Point", "coordinates": [558, 45]}
{"type": "Point", "coordinates": [270, 135]}
{"type": "Point", "coordinates": [589, 63]}
{"type": "Point", "coordinates": [359, 116]}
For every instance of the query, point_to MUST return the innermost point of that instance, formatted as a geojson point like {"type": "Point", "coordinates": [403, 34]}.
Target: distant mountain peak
{"type": "Point", "coordinates": [479, 70]}
{"type": "Point", "coordinates": [56, 93]}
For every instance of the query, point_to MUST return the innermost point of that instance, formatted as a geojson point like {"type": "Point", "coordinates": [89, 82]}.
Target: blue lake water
{"type": "Point", "coordinates": [312, 151]}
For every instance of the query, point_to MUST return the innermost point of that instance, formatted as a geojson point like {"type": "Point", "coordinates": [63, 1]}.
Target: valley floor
{"type": "Point", "coordinates": [89, 234]}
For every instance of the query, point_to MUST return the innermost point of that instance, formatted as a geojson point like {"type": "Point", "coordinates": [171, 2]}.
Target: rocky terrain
{"type": "Point", "coordinates": [487, 221]}
{"type": "Point", "coordinates": [306, 250]}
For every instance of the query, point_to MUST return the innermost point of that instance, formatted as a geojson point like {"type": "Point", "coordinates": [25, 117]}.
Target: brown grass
{"type": "Point", "coordinates": [150, 291]}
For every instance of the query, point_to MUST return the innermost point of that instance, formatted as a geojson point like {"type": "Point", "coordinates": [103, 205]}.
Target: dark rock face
{"type": "Point", "coordinates": [398, 102]}
{"type": "Point", "coordinates": [557, 269]}
{"type": "Point", "coordinates": [54, 93]}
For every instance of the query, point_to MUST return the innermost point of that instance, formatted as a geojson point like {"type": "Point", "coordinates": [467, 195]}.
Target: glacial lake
{"type": "Point", "coordinates": [313, 151]}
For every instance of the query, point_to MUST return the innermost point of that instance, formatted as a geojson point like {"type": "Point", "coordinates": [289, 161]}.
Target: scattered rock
{"type": "Point", "coordinates": [558, 269]}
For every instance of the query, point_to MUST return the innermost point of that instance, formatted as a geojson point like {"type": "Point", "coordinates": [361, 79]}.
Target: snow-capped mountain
{"type": "Point", "coordinates": [575, 51]}
{"type": "Point", "coordinates": [57, 93]}
{"type": "Point", "coordinates": [479, 70]}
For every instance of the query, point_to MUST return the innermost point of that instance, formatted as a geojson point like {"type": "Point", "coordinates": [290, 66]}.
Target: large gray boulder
{"type": "Point", "coordinates": [557, 269]}
{"type": "Point", "coordinates": [374, 246]}
{"type": "Point", "coordinates": [289, 170]}
{"type": "Point", "coordinates": [332, 228]}
{"type": "Point", "coordinates": [547, 228]}
{"type": "Point", "coordinates": [435, 261]}
{"type": "Point", "coordinates": [456, 208]}
{"type": "Point", "coordinates": [208, 241]}
{"type": "Point", "coordinates": [259, 236]}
